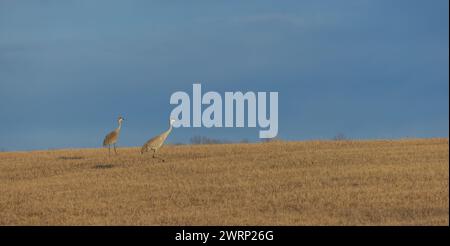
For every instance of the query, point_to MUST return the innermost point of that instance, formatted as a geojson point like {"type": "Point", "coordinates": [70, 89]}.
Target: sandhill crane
{"type": "Point", "coordinates": [156, 142]}
{"type": "Point", "coordinates": [113, 136]}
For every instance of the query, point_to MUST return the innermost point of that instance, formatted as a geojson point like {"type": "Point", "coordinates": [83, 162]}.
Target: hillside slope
{"type": "Point", "coordinates": [401, 182]}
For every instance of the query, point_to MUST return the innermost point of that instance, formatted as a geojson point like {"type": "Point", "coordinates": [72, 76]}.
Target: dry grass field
{"type": "Point", "coordinates": [398, 182]}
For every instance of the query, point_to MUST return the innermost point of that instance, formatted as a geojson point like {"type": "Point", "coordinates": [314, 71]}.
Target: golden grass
{"type": "Point", "coordinates": [401, 182]}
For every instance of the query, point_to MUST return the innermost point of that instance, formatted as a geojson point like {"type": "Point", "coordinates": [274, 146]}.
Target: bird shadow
{"type": "Point", "coordinates": [70, 158]}
{"type": "Point", "coordinates": [103, 166]}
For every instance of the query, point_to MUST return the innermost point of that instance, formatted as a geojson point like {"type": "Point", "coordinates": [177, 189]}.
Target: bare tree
{"type": "Point", "coordinates": [340, 137]}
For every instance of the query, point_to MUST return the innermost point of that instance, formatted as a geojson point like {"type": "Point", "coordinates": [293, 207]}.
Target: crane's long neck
{"type": "Point", "coordinates": [166, 133]}
{"type": "Point", "coordinates": [120, 126]}
{"type": "Point", "coordinates": [170, 129]}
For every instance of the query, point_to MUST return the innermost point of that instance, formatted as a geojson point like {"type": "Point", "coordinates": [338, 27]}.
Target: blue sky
{"type": "Point", "coordinates": [364, 68]}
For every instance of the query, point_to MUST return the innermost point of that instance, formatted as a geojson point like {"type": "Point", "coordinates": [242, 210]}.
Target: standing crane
{"type": "Point", "coordinates": [156, 142]}
{"type": "Point", "coordinates": [112, 137]}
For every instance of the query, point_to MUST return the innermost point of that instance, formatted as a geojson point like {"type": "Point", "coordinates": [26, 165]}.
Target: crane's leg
{"type": "Point", "coordinates": [109, 149]}
{"type": "Point", "coordinates": [143, 149]}
{"type": "Point", "coordinates": [154, 156]}
{"type": "Point", "coordinates": [115, 151]}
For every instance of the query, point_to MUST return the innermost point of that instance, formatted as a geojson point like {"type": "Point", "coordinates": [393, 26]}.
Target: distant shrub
{"type": "Point", "coordinates": [206, 140]}
{"type": "Point", "coordinates": [271, 140]}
